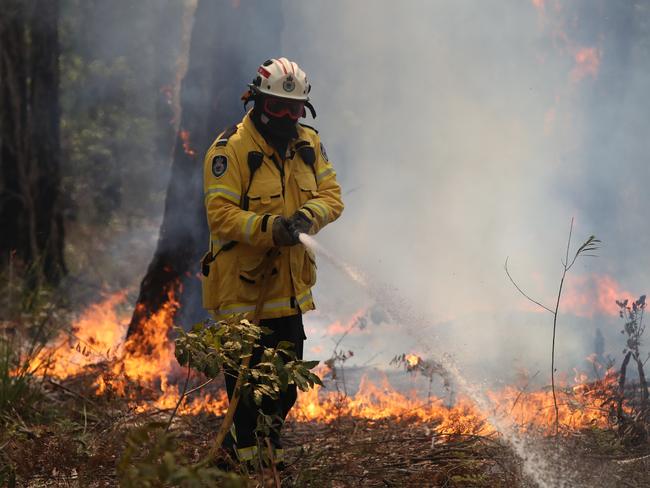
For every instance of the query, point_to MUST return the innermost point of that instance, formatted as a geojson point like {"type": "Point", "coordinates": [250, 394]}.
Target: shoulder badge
{"type": "Point", "coordinates": [219, 165]}
{"type": "Point", "coordinates": [323, 152]}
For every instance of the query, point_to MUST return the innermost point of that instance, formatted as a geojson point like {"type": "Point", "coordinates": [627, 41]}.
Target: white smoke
{"type": "Point", "coordinates": [460, 138]}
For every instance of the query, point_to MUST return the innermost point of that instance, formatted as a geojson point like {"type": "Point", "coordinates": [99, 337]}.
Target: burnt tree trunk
{"type": "Point", "coordinates": [643, 384]}
{"type": "Point", "coordinates": [229, 40]}
{"type": "Point", "coordinates": [30, 211]}
{"type": "Point", "coordinates": [621, 386]}
{"type": "Point", "coordinates": [173, 22]}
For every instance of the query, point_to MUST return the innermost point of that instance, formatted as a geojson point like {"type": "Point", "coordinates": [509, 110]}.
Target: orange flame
{"type": "Point", "coordinates": [593, 294]}
{"type": "Point", "coordinates": [149, 354]}
{"type": "Point", "coordinates": [381, 401]}
{"type": "Point", "coordinates": [412, 360]}
{"type": "Point", "coordinates": [187, 145]}
{"type": "Point", "coordinates": [96, 336]}
{"type": "Point", "coordinates": [145, 362]}
{"type": "Point", "coordinates": [579, 407]}
{"type": "Point", "coordinates": [349, 326]}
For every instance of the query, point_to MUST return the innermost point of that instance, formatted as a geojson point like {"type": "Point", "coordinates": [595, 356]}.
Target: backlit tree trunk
{"type": "Point", "coordinates": [229, 40]}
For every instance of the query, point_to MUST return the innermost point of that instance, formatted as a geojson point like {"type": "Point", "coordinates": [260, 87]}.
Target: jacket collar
{"type": "Point", "coordinates": [266, 148]}
{"type": "Point", "coordinates": [249, 127]}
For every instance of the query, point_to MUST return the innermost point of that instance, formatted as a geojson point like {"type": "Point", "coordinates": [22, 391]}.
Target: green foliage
{"type": "Point", "coordinates": [634, 326]}
{"type": "Point", "coordinates": [211, 347]}
{"type": "Point", "coordinates": [152, 458]}
{"type": "Point", "coordinates": [17, 396]}
{"type": "Point", "coordinates": [16, 390]}
{"type": "Point", "coordinates": [118, 63]}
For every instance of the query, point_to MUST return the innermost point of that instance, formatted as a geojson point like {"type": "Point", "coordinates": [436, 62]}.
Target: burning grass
{"type": "Point", "coordinates": [97, 388]}
{"type": "Point", "coordinates": [144, 372]}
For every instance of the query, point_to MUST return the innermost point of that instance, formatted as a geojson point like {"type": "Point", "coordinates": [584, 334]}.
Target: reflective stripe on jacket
{"type": "Point", "coordinates": [232, 284]}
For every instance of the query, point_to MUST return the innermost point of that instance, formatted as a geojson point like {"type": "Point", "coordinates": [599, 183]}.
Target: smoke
{"type": "Point", "coordinates": [464, 133]}
{"type": "Point", "coordinates": [119, 91]}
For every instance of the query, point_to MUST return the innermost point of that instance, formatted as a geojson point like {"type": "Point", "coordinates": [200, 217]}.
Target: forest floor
{"type": "Point", "coordinates": [77, 441]}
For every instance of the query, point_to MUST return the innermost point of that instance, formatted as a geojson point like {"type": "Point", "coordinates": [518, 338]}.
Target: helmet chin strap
{"type": "Point", "coordinates": [247, 98]}
{"type": "Point", "coordinates": [311, 109]}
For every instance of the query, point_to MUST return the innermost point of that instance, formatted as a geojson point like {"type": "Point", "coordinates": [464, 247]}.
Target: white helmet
{"type": "Point", "coordinates": [281, 78]}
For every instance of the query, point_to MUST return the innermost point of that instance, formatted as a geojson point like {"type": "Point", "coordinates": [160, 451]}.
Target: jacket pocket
{"type": "Point", "coordinates": [249, 278]}
{"type": "Point", "coordinates": [265, 196]}
{"type": "Point", "coordinates": [307, 186]}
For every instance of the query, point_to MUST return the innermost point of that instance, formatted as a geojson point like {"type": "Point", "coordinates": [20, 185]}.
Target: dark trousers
{"type": "Point", "coordinates": [284, 329]}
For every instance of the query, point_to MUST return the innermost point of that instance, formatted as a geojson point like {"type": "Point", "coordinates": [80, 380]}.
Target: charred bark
{"type": "Point", "coordinates": [228, 41]}
{"type": "Point", "coordinates": [30, 211]}
{"type": "Point", "coordinates": [621, 386]}
{"type": "Point", "coordinates": [172, 20]}
{"type": "Point", "coordinates": [642, 382]}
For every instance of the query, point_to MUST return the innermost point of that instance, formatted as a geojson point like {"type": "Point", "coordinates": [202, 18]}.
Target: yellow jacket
{"type": "Point", "coordinates": [232, 282]}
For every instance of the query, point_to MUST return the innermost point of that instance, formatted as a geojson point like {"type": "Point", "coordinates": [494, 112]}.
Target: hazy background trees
{"type": "Point", "coordinates": [112, 160]}
{"type": "Point", "coordinates": [30, 150]}
{"type": "Point", "coordinates": [88, 92]}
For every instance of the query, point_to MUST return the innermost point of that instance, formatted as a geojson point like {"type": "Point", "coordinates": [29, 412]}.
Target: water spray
{"type": "Point", "coordinates": [542, 469]}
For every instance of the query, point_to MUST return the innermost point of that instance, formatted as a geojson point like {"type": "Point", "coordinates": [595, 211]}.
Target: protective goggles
{"type": "Point", "coordinates": [279, 107]}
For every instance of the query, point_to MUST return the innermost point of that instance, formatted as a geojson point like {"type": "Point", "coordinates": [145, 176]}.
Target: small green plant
{"type": "Point", "coordinates": [633, 328]}
{"type": "Point", "coordinates": [152, 458]}
{"type": "Point", "coordinates": [212, 347]}
{"type": "Point", "coordinates": [586, 249]}
{"type": "Point", "coordinates": [428, 368]}
{"type": "Point", "coordinates": [336, 371]}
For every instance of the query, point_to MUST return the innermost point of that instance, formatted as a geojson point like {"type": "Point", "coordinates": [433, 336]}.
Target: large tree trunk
{"type": "Point", "coordinates": [45, 137]}
{"type": "Point", "coordinates": [30, 212]}
{"type": "Point", "coordinates": [13, 126]}
{"type": "Point", "coordinates": [229, 40]}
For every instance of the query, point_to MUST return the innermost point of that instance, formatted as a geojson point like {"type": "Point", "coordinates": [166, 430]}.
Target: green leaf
{"type": "Point", "coordinates": [310, 364]}
{"type": "Point", "coordinates": [285, 346]}
{"type": "Point", "coordinates": [257, 396]}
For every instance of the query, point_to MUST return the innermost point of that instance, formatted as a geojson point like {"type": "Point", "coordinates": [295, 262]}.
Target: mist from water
{"type": "Point", "coordinates": [546, 467]}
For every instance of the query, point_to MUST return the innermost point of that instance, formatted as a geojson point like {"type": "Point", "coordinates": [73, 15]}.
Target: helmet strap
{"type": "Point", "coordinates": [247, 97]}
{"type": "Point", "coordinates": [311, 109]}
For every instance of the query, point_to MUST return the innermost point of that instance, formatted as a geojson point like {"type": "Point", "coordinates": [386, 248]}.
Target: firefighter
{"type": "Point", "coordinates": [266, 180]}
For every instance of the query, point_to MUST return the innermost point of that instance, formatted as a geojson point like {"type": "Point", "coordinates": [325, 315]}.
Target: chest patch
{"type": "Point", "coordinates": [219, 166]}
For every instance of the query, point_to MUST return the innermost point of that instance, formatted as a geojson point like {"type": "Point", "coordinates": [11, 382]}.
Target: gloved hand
{"type": "Point", "coordinates": [299, 223]}
{"type": "Point", "coordinates": [282, 235]}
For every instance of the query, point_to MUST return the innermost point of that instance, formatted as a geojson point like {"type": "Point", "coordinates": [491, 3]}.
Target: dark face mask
{"type": "Point", "coordinates": [276, 127]}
